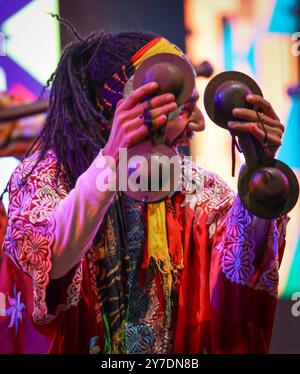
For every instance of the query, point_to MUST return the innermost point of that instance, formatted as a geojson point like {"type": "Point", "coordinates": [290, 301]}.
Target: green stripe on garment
{"type": "Point", "coordinates": [107, 342]}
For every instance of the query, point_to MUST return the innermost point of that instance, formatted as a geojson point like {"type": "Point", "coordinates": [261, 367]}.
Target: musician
{"type": "Point", "coordinates": [87, 269]}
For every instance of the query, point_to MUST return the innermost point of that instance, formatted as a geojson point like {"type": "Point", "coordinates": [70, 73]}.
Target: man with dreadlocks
{"type": "Point", "coordinates": [90, 270]}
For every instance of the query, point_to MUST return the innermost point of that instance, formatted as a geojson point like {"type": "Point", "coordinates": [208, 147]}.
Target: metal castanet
{"type": "Point", "coordinates": [267, 187]}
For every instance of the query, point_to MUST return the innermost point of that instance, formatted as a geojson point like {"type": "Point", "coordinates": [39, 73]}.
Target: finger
{"type": "Point", "coordinates": [249, 127]}
{"type": "Point", "coordinates": [250, 115]}
{"type": "Point", "coordinates": [159, 121]}
{"type": "Point", "coordinates": [154, 103]}
{"type": "Point", "coordinates": [273, 130]}
{"type": "Point", "coordinates": [262, 104]}
{"type": "Point", "coordinates": [139, 130]}
{"type": "Point", "coordinates": [161, 100]}
{"type": "Point", "coordinates": [270, 129]}
{"type": "Point", "coordinates": [137, 96]}
{"type": "Point", "coordinates": [256, 131]}
{"type": "Point", "coordinates": [273, 140]}
{"type": "Point", "coordinates": [165, 109]}
{"type": "Point", "coordinates": [139, 122]}
{"type": "Point", "coordinates": [138, 135]}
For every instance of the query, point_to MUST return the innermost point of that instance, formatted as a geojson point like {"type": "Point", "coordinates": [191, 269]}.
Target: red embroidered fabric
{"type": "Point", "coordinates": [226, 304]}
{"type": "Point", "coordinates": [26, 266]}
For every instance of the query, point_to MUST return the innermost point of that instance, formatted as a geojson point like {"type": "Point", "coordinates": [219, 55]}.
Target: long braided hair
{"type": "Point", "coordinates": [76, 130]}
{"type": "Point", "coordinates": [75, 127]}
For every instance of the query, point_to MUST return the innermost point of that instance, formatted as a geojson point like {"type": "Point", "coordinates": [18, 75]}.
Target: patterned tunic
{"type": "Point", "coordinates": [222, 300]}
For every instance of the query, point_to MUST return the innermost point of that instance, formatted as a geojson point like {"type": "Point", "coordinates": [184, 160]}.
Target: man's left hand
{"type": "Point", "coordinates": [269, 132]}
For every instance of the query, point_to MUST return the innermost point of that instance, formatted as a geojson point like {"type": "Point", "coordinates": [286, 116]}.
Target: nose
{"type": "Point", "coordinates": [196, 121]}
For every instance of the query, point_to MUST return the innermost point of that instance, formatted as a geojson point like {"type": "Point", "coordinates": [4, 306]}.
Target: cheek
{"type": "Point", "coordinates": [180, 120]}
{"type": "Point", "coordinates": [197, 119]}
{"type": "Point", "coordinates": [184, 116]}
{"type": "Point", "coordinates": [175, 127]}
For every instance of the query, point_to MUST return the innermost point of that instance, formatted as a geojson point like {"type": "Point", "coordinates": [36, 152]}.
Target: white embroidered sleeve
{"type": "Point", "coordinates": [80, 214]}
{"type": "Point", "coordinates": [43, 220]}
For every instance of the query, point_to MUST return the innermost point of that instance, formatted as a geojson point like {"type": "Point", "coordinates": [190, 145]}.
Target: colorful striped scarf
{"type": "Point", "coordinates": [133, 234]}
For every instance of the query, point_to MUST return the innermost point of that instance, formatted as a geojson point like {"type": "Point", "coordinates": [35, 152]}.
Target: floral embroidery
{"type": "Point", "coordinates": [30, 230]}
{"type": "Point", "coordinates": [237, 245]}
{"type": "Point", "coordinates": [237, 249]}
{"type": "Point", "coordinates": [192, 179]}
{"type": "Point", "coordinates": [203, 187]}
{"type": "Point", "coordinates": [269, 279]}
{"type": "Point", "coordinates": [205, 192]}
{"type": "Point", "coordinates": [237, 264]}
{"type": "Point", "coordinates": [47, 194]}
{"type": "Point", "coordinates": [139, 338]}
{"type": "Point", "coordinates": [238, 220]}
{"type": "Point", "coordinates": [15, 310]}
{"type": "Point", "coordinates": [35, 248]}
{"type": "Point", "coordinates": [20, 203]}
{"type": "Point", "coordinates": [24, 168]}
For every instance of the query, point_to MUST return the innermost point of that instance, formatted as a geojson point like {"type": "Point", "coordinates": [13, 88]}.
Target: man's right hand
{"type": "Point", "coordinates": [128, 127]}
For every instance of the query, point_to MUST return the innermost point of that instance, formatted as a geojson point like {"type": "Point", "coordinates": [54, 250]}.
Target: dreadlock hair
{"type": "Point", "coordinates": [73, 121]}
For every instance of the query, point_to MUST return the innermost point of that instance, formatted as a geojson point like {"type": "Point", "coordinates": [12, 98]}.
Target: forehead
{"type": "Point", "coordinates": [195, 91]}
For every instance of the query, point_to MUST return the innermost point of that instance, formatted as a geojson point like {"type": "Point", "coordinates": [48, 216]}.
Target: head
{"type": "Point", "coordinates": [77, 127]}
{"type": "Point", "coordinates": [191, 118]}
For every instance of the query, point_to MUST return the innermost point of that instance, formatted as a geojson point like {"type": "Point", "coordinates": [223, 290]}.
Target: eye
{"type": "Point", "coordinates": [188, 108]}
{"type": "Point", "coordinates": [190, 104]}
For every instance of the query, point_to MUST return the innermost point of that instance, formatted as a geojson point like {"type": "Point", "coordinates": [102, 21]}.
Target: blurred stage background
{"type": "Point", "coordinates": [253, 36]}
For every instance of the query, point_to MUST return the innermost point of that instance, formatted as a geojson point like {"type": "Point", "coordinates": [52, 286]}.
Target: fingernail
{"type": "Point", "coordinates": [163, 118]}
{"type": "Point", "coordinates": [230, 124]}
{"type": "Point", "coordinates": [153, 84]}
{"type": "Point", "coordinates": [170, 96]}
{"type": "Point", "coordinates": [236, 111]}
{"type": "Point", "coordinates": [249, 97]}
